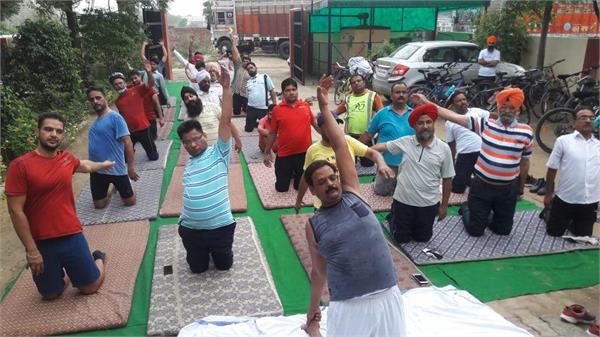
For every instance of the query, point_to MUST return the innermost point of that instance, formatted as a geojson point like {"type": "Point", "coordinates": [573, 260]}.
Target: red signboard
{"type": "Point", "coordinates": [569, 19]}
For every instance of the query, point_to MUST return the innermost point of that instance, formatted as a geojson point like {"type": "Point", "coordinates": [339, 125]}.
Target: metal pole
{"type": "Point", "coordinates": [329, 61]}
{"type": "Point", "coordinates": [435, 24]}
{"type": "Point", "coordinates": [370, 45]}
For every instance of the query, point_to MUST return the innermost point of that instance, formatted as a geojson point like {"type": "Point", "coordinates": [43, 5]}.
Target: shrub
{"type": "Point", "coordinates": [43, 66]}
{"type": "Point", "coordinates": [18, 125]}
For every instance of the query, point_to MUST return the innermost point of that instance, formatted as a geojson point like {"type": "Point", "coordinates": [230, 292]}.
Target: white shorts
{"type": "Point", "coordinates": [377, 315]}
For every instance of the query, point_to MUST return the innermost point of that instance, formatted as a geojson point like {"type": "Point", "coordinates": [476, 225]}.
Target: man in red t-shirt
{"type": "Point", "coordinates": [42, 209]}
{"type": "Point", "coordinates": [290, 126]}
{"type": "Point", "coordinates": [131, 106]}
{"type": "Point", "coordinates": [152, 106]}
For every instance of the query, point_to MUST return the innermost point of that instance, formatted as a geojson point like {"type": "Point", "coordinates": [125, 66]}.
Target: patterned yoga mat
{"type": "Point", "coordinates": [181, 297]}
{"type": "Point", "coordinates": [528, 237]}
{"type": "Point", "coordinates": [141, 159]}
{"type": "Point", "coordinates": [294, 225]}
{"type": "Point", "coordinates": [173, 201]}
{"type": "Point", "coordinates": [24, 313]}
{"type": "Point", "coordinates": [264, 180]}
{"type": "Point", "coordinates": [164, 131]}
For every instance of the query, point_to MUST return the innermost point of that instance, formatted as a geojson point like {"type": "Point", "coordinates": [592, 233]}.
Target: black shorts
{"type": "Point", "coordinates": [99, 185]}
{"type": "Point", "coordinates": [577, 218]}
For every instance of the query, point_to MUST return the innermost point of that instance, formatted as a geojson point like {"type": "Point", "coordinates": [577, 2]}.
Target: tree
{"type": "Point", "coordinates": [207, 12]}
{"type": "Point", "coordinates": [8, 9]}
{"type": "Point", "coordinates": [67, 7]}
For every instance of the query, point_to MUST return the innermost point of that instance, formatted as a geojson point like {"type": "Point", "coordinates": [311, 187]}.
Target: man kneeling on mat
{"type": "Point", "coordinates": [347, 247]}
{"type": "Point", "coordinates": [206, 225]}
{"type": "Point", "coordinates": [40, 201]}
{"type": "Point", "coordinates": [427, 160]}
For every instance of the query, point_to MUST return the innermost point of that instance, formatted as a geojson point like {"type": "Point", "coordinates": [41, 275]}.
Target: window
{"type": "Point", "coordinates": [445, 54]}
{"type": "Point", "coordinates": [404, 52]}
{"type": "Point", "coordinates": [220, 18]}
{"type": "Point", "coordinates": [467, 54]}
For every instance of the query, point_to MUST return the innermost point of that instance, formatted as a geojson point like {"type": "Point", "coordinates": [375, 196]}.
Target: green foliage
{"type": "Point", "coordinates": [111, 42]}
{"type": "Point", "coordinates": [18, 124]}
{"type": "Point", "coordinates": [8, 9]}
{"type": "Point", "coordinates": [207, 11]}
{"type": "Point", "coordinates": [43, 67]}
{"type": "Point", "coordinates": [508, 28]}
{"type": "Point", "coordinates": [43, 75]}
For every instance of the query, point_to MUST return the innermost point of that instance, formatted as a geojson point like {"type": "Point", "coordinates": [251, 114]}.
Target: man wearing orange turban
{"type": "Point", "coordinates": [488, 59]}
{"type": "Point", "coordinates": [502, 166]}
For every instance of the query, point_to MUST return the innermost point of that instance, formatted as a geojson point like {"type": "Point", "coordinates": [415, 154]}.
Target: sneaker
{"type": "Point", "coordinates": [530, 181]}
{"type": "Point", "coordinates": [97, 254]}
{"type": "Point", "coordinates": [593, 330]}
{"type": "Point", "coordinates": [536, 187]}
{"type": "Point", "coordinates": [577, 314]}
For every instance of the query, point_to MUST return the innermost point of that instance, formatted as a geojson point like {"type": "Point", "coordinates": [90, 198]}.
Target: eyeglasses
{"type": "Point", "coordinates": [585, 118]}
{"type": "Point", "coordinates": [192, 140]}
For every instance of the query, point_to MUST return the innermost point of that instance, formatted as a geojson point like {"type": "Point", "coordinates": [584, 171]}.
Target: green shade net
{"type": "Point", "coordinates": [398, 16]}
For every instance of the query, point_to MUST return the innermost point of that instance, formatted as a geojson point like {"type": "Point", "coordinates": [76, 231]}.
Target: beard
{"type": "Point", "coordinates": [121, 91]}
{"type": "Point", "coordinates": [47, 146]}
{"type": "Point", "coordinates": [491, 48]}
{"type": "Point", "coordinates": [506, 118]}
{"type": "Point", "coordinates": [194, 108]}
{"type": "Point", "coordinates": [425, 135]}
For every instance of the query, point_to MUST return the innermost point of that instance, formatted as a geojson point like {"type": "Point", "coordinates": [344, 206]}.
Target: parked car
{"type": "Point", "coordinates": [403, 63]}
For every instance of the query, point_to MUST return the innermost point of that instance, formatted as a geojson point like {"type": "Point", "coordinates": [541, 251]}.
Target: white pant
{"type": "Point", "coordinates": [377, 315]}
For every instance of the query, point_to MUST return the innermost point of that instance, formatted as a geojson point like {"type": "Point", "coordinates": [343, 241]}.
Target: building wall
{"type": "Point", "coordinates": [569, 48]}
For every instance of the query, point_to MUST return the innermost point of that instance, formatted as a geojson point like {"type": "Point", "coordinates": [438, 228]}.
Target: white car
{"type": "Point", "coordinates": [403, 63]}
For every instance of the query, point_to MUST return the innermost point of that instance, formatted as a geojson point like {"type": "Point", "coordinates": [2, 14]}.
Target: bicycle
{"type": "Point", "coordinates": [341, 83]}
{"type": "Point", "coordinates": [559, 121]}
{"type": "Point", "coordinates": [558, 95]}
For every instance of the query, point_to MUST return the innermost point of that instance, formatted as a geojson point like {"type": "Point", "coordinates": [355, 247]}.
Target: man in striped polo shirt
{"type": "Point", "coordinates": [206, 225]}
{"type": "Point", "coordinates": [502, 166]}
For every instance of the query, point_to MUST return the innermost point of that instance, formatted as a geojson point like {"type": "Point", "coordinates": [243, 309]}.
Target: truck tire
{"type": "Point", "coordinates": [224, 43]}
{"type": "Point", "coordinates": [284, 50]}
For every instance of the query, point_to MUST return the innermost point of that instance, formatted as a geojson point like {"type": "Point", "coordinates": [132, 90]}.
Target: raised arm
{"type": "Point", "coordinates": [344, 161]}
{"type": "Point", "coordinates": [149, 75]}
{"type": "Point", "coordinates": [444, 113]}
{"type": "Point", "coordinates": [227, 107]}
{"type": "Point", "coordinates": [164, 50]}
{"type": "Point", "coordinates": [235, 53]}
{"type": "Point", "coordinates": [143, 51]}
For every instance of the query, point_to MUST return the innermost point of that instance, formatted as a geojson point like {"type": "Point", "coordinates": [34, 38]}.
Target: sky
{"type": "Point", "coordinates": [176, 7]}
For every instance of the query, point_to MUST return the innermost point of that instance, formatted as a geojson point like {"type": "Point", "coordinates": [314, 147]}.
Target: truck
{"type": "Point", "coordinates": [263, 24]}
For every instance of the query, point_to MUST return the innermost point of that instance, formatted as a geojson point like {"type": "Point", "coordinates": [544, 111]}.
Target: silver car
{"type": "Point", "coordinates": [403, 63]}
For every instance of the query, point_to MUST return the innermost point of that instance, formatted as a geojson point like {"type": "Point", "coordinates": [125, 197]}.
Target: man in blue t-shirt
{"type": "Point", "coordinates": [109, 140]}
{"type": "Point", "coordinates": [206, 225]}
{"type": "Point", "coordinates": [388, 124]}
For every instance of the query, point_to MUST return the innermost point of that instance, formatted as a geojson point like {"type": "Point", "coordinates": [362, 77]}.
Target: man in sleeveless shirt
{"type": "Point", "coordinates": [364, 296]}
{"type": "Point", "coordinates": [359, 107]}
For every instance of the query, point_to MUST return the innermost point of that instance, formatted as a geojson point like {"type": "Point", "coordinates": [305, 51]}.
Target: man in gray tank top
{"type": "Point", "coordinates": [348, 248]}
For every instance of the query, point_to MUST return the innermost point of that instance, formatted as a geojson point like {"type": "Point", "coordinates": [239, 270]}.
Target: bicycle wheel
{"type": "Point", "coordinates": [535, 93]}
{"type": "Point", "coordinates": [553, 124]}
{"type": "Point", "coordinates": [421, 89]}
{"type": "Point", "coordinates": [553, 99]}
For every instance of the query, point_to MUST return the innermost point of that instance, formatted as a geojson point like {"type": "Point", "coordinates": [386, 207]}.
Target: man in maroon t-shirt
{"type": "Point", "coordinates": [131, 106]}
{"type": "Point", "coordinates": [290, 125]}
{"type": "Point", "coordinates": [42, 209]}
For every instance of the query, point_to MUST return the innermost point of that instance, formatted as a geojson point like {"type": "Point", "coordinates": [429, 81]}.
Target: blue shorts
{"type": "Point", "coordinates": [70, 253]}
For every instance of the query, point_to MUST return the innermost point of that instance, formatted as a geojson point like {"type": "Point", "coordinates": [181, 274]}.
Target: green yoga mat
{"type": "Point", "coordinates": [487, 280]}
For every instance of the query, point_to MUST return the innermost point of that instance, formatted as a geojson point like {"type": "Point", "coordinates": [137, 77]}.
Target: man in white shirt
{"type": "Point", "coordinates": [258, 87]}
{"type": "Point", "coordinates": [463, 143]}
{"type": "Point", "coordinates": [577, 157]}
{"type": "Point", "coordinates": [488, 59]}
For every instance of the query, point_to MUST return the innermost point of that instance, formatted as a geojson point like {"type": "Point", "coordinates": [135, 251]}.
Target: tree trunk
{"type": "Point", "coordinates": [544, 34]}
{"type": "Point", "coordinates": [73, 25]}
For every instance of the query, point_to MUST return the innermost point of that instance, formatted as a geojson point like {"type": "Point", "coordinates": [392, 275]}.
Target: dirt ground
{"type": "Point", "coordinates": [536, 313]}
